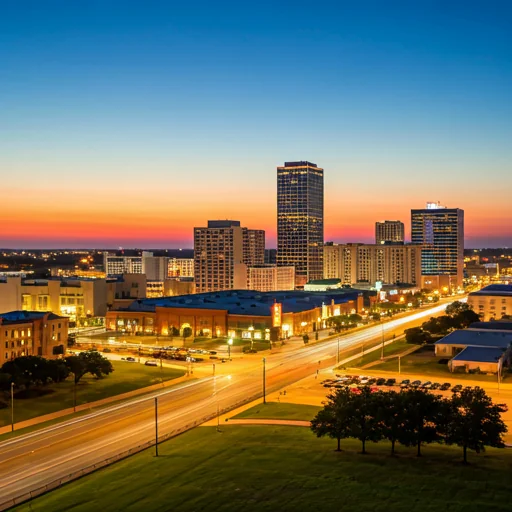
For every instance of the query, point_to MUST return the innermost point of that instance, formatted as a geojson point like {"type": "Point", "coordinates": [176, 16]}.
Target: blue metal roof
{"type": "Point", "coordinates": [480, 355]}
{"type": "Point", "coordinates": [247, 302]}
{"type": "Point", "coordinates": [495, 289]}
{"type": "Point", "coordinates": [477, 338]}
{"type": "Point", "coordinates": [498, 325]}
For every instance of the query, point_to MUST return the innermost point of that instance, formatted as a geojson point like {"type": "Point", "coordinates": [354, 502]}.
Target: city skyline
{"type": "Point", "coordinates": [127, 127]}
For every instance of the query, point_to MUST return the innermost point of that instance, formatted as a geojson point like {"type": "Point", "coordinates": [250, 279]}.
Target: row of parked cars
{"type": "Point", "coordinates": [362, 380]}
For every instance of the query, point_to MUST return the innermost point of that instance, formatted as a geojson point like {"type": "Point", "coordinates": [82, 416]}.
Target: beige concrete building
{"type": "Point", "coordinates": [269, 278]}
{"type": "Point", "coordinates": [254, 246]}
{"type": "Point", "coordinates": [156, 268]}
{"type": "Point", "coordinates": [389, 231]}
{"type": "Point", "coordinates": [219, 256]}
{"type": "Point", "coordinates": [24, 333]}
{"type": "Point", "coordinates": [10, 294]}
{"type": "Point", "coordinates": [492, 302]}
{"type": "Point", "coordinates": [116, 265]}
{"type": "Point", "coordinates": [170, 288]}
{"type": "Point", "coordinates": [369, 263]}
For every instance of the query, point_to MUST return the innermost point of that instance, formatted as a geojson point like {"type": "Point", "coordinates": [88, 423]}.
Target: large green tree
{"type": "Point", "coordinates": [363, 414]}
{"type": "Point", "coordinates": [334, 419]}
{"type": "Point", "coordinates": [96, 364]}
{"type": "Point", "coordinates": [475, 421]}
{"type": "Point", "coordinates": [391, 414]}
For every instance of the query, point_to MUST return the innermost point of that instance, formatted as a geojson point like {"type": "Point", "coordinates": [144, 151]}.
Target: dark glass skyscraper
{"type": "Point", "coordinates": [300, 219]}
{"type": "Point", "coordinates": [440, 231]}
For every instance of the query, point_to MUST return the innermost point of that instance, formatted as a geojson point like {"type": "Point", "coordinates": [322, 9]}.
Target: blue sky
{"type": "Point", "coordinates": [173, 113]}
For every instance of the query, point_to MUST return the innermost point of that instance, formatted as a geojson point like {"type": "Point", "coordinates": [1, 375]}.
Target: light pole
{"type": "Point", "coordinates": [12, 406]}
{"type": "Point", "coordinates": [382, 349]}
{"type": "Point", "coordinates": [338, 353]}
{"type": "Point", "coordinates": [264, 383]}
{"type": "Point", "coordinates": [74, 392]}
{"type": "Point", "coordinates": [399, 365]}
{"type": "Point", "coordinates": [156, 426]}
{"type": "Point", "coordinates": [230, 342]}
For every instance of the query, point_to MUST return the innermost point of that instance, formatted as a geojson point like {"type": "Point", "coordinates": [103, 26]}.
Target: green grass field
{"type": "Point", "coordinates": [281, 411]}
{"type": "Point", "coordinates": [126, 377]}
{"type": "Point", "coordinates": [389, 350]}
{"type": "Point", "coordinates": [269, 468]}
{"type": "Point", "coordinates": [425, 362]}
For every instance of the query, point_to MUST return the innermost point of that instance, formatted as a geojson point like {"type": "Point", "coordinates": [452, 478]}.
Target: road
{"type": "Point", "coordinates": [35, 459]}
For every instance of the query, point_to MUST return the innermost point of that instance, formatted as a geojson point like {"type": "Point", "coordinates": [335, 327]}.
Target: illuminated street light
{"type": "Point", "coordinates": [230, 342]}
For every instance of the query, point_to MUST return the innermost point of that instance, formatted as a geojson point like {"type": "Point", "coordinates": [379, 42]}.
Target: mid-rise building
{"type": "Point", "coordinates": [219, 256]}
{"type": "Point", "coordinates": [254, 246]}
{"type": "Point", "coordinates": [440, 231]}
{"type": "Point", "coordinates": [156, 268]}
{"type": "Point", "coordinates": [300, 219]}
{"type": "Point", "coordinates": [31, 333]}
{"type": "Point", "coordinates": [389, 231]}
{"type": "Point", "coordinates": [268, 278]}
{"type": "Point", "coordinates": [116, 265]}
{"type": "Point", "coordinates": [181, 267]}
{"type": "Point", "coordinates": [493, 302]}
{"type": "Point", "coordinates": [369, 263]}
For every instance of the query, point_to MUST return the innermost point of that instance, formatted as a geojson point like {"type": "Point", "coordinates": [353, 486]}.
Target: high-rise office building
{"type": "Point", "coordinates": [300, 219]}
{"type": "Point", "coordinates": [389, 231]}
{"type": "Point", "coordinates": [219, 256]}
{"type": "Point", "coordinates": [369, 263]}
{"type": "Point", "coordinates": [440, 231]}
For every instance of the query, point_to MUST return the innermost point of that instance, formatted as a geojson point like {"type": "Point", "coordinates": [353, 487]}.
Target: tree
{"type": "Point", "coordinates": [391, 414]}
{"type": "Point", "coordinates": [96, 364]}
{"type": "Point", "coordinates": [57, 370]}
{"type": "Point", "coordinates": [363, 409]}
{"type": "Point", "coordinates": [456, 307]}
{"type": "Point", "coordinates": [416, 335]}
{"type": "Point", "coordinates": [420, 423]}
{"type": "Point", "coordinates": [334, 420]}
{"type": "Point", "coordinates": [475, 421]}
{"type": "Point", "coordinates": [187, 332]}
{"type": "Point", "coordinates": [466, 318]}
{"type": "Point", "coordinates": [27, 370]}
{"type": "Point", "coordinates": [77, 366]}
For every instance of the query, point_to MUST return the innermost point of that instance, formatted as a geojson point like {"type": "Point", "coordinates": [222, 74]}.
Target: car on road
{"type": "Point", "coordinates": [371, 381]}
{"type": "Point", "coordinates": [416, 383]}
{"type": "Point", "coordinates": [151, 363]}
{"type": "Point", "coordinates": [223, 360]}
{"type": "Point", "coordinates": [213, 353]}
{"type": "Point", "coordinates": [405, 383]}
{"type": "Point", "coordinates": [131, 359]}
{"type": "Point", "coordinates": [214, 357]}
{"type": "Point", "coordinates": [426, 385]}
{"type": "Point", "coordinates": [445, 386]}
{"type": "Point", "coordinates": [457, 388]}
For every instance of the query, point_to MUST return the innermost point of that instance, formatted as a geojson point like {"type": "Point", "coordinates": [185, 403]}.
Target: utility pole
{"type": "Point", "coordinates": [338, 353]}
{"type": "Point", "coordinates": [12, 406]}
{"type": "Point", "coordinates": [156, 426]}
{"type": "Point", "coordinates": [74, 392]}
{"type": "Point", "coordinates": [398, 364]}
{"type": "Point", "coordinates": [264, 384]}
{"type": "Point", "coordinates": [382, 349]}
{"type": "Point", "coordinates": [218, 418]}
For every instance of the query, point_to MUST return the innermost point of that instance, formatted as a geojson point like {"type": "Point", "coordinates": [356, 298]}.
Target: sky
{"type": "Point", "coordinates": [128, 123]}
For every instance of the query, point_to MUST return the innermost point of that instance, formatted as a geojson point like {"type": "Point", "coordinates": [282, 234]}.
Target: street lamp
{"type": "Point", "coordinates": [230, 342]}
{"type": "Point", "coordinates": [12, 406]}
{"type": "Point", "coordinates": [338, 353]}
{"type": "Point", "coordinates": [264, 383]}
{"type": "Point", "coordinates": [382, 349]}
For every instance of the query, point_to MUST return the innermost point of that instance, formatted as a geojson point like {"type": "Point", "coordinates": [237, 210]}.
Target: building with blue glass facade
{"type": "Point", "coordinates": [300, 219]}
{"type": "Point", "coordinates": [440, 232]}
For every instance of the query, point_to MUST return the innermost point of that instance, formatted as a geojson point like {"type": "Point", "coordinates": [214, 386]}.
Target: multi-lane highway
{"type": "Point", "coordinates": [35, 459]}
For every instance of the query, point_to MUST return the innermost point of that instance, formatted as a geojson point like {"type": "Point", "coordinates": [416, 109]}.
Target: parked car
{"type": "Point", "coordinates": [390, 382]}
{"type": "Point", "coordinates": [371, 381]}
{"type": "Point", "coordinates": [213, 353]}
{"type": "Point", "coordinates": [416, 383]}
{"type": "Point", "coordinates": [364, 381]}
{"type": "Point", "coordinates": [214, 357]}
{"type": "Point", "coordinates": [405, 383]}
{"type": "Point", "coordinates": [445, 386]}
{"type": "Point", "coordinates": [151, 363]}
{"type": "Point", "coordinates": [131, 359]}
{"type": "Point", "coordinates": [457, 388]}
{"type": "Point", "coordinates": [381, 381]}
{"type": "Point", "coordinates": [426, 385]}
{"type": "Point", "coordinates": [435, 385]}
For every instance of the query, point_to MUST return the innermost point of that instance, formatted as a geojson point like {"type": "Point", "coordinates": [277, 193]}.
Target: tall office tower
{"type": "Point", "coordinates": [440, 231]}
{"type": "Point", "coordinates": [389, 231]}
{"type": "Point", "coordinates": [115, 265]}
{"type": "Point", "coordinates": [219, 256]}
{"type": "Point", "coordinates": [369, 263]}
{"type": "Point", "coordinates": [254, 246]}
{"type": "Point", "coordinates": [300, 220]}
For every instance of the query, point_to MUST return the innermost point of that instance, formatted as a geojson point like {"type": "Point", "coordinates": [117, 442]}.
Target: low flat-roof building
{"type": "Point", "coordinates": [490, 349]}
{"type": "Point", "coordinates": [492, 302]}
{"type": "Point", "coordinates": [236, 313]}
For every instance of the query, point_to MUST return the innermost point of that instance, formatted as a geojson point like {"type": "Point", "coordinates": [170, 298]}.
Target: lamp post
{"type": "Point", "coordinates": [230, 342]}
{"type": "Point", "coordinates": [264, 383]}
{"type": "Point", "coordinates": [12, 406]}
{"type": "Point", "coordinates": [382, 349]}
{"type": "Point", "coordinates": [156, 426]}
{"type": "Point", "coordinates": [74, 392]}
{"type": "Point", "coordinates": [338, 353]}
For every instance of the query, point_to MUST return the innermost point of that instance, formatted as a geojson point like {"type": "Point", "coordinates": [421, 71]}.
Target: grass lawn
{"type": "Point", "coordinates": [126, 377]}
{"type": "Point", "coordinates": [280, 411]}
{"type": "Point", "coordinates": [269, 468]}
{"type": "Point", "coordinates": [389, 350]}
{"type": "Point", "coordinates": [424, 362]}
